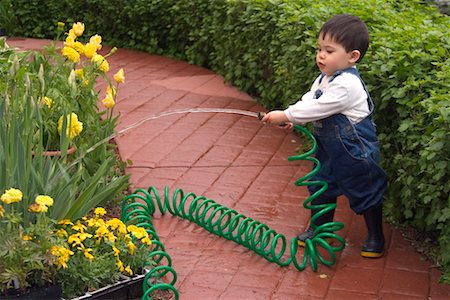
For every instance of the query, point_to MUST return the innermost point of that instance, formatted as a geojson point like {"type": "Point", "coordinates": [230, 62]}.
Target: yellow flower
{"type": "Point", "coordinates": [27, 237]}
{"type": "Point", "coordinates": [116, 224]}
{"type": "Point", "coordinates": [137, 232]}
{"type": "Point", "coordinates": [128, 270]}
{"type": "Point", "coordinates": [111, 237]}
{"type": "Point", "coordinates": [101, 232]}
{"type": "Point", "coordinates": [108, 101]}
{"type": "Point", "coordinates": [74, 127]}
{"type": "Point", "coordinates": [79, 72]}
{"type": "Point", "coordinates": [70, 41]}
{"type": "Point", "coordinates": [61, 233]}
{"type": "Point", "coordinates": [78, 28]}
{"type": "Point", "coordinates": [120, 265]}
{"type": "Point", "coordinates": [99, 211]}
{"type": "Point", "coordinates": [147, 241]}
{"type": "Point", "coordinates": [44, 200]}
{"type": "Point", "coordinates": [87, 254]}
{"type": "Point", "coordinates": [131, 247]}
{"type": "Point", "coordinates": [100, 62]}
{"type": "Point", "coordinates": [116, 251]}
{"type": "Point", "coordinates": [72, 33]}
{"type": "Point", "coordinates": [79, 47]}
{"type": "Point", "coordinates": [62, 255]}
{"type": "Point", "coordinates": [37, 208]}
{"type": "Point", "coordinates": [11, 196]}
{"type": "Point", "coordinates": [61, 25]}
{"type": "Point", "coordinates": [79, 227]}
{"type": "Point", "coordinates": [96, 40]}
{"type": "Point", "coordinates": [90, 50]}
{"type": "Point", "coordinates": [119, 77]}
{"type": "Point", "coordinates": [71, 53]}
{"type": "Point", "coordinates": [48, 102]}
{"type": "Point", "coordinates": [2, 211]}
{"type": "Point", "coordinates": [65, 222]}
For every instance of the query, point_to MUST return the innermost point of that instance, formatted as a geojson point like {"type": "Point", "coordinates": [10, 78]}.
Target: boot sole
{"type": "Point", "coordinates": [372, 254]}
{"type": "Point", "coordinates": [302, 243]}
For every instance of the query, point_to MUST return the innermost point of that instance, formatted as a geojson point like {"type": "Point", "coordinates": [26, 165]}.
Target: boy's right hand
{"type": "Point", "coordinates": [276, 117]}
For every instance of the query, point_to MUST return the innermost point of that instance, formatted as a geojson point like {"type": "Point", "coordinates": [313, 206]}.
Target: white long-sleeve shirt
{"type": "Point", "coordinates": [344, 95]}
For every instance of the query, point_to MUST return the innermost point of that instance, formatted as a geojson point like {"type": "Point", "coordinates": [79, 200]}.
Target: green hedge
{"type": "Point", "coordinates": [267, 48]}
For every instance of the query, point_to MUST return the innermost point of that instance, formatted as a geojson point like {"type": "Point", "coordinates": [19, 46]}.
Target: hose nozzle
{"type": "Point", "coordinates": [261, 115]}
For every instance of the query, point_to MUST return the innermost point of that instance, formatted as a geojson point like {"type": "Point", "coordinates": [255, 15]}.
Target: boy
{"type": "Point", "coordinates": [340, 109]}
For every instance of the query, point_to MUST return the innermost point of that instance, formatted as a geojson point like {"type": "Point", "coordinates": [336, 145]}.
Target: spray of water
{"type": "Point", "coordinates": [164, 114]}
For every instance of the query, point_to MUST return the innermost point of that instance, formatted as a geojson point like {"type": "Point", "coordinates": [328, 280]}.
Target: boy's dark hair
{"type": "Point", "coordinates": [348, 31]}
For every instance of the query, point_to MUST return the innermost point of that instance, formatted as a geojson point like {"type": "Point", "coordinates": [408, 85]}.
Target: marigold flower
{"type": "Point", "coordinates": [37, 208]}
{"type": "Point", "coordinates": [62, 255]}
{"type": "Point", "coordinates": [12, 195]}
{"type": "Point", "coordinates": [44, 200]}
{"type": "Point", "coordinates": [100, 62]}
{"type": "Point", "coordinates": [2, 211]}
{"type": "Point", "coordinates": [27, 237]}
{"type": "Point", "coordinates": [99, 211]}
{"type": "Point", "coordinates": [71, 54]}
{"type": "Point", "coordinates": [96, 40]}
{"type": "Point", "coordinates": [48, 102]}
{"type": "Point", "coordinates": [62, 233]}
{"type": "Point", "coordinates": [137, 232]}
{"type": "Point", "coordinates": [119, 77]}
{"type": "Point", "coordinates": [116, 224]}
{"type": "Point", "coordinates": [78, 28]}
{"type": "Point", "coordinates": [129, 271]}
{"type": "Point", "coordinates": [65, 222]}
{"type": "Point", "coordinates": [90, 50]}
{"type": "Point", "coordinates": [74, 127]}
{"type": "Point", "coordinates": [146, 241]}
{"type": "Point", "coordinates": [116, 251]}
{"type": "Point", "coordinates": [87, 254]}
{"type": "Point", "coordinates": [120, 265]}
{"type": "Point", "coordinates": [131, 247]}
{"type": "Point", "coordinates": [79, 227]}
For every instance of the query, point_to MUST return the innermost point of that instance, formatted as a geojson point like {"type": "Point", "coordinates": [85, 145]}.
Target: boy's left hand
{"type": "Point", "coordinates": [276, 117]}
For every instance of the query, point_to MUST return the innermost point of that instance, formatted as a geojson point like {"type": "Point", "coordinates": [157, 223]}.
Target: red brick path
{"type": "Point", "coordinates": [241, 164]}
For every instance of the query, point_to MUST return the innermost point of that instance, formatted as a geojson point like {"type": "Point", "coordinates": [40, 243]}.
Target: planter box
{"type": "Point", "coordinates": [128, 288]}
{"type": "Point", "coordinates": [52, 292]}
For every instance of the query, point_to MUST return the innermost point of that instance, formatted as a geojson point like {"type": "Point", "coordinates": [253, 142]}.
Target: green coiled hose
{"type": "Point", "coordinates": [138, 208]}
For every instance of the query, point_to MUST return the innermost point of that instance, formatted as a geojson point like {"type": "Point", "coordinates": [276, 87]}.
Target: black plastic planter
{"type": "Point", "coordinates": [52, 292]}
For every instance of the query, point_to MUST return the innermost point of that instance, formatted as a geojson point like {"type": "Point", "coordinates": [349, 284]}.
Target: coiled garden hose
{"type": "Point", "coordinates": [138, 208]}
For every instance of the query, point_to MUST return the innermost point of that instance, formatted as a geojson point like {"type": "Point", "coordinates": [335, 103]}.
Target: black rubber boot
{"type": "Point", "coordinates": [374, 245]}
{"type": "Point", "coordinates": [309, 233]}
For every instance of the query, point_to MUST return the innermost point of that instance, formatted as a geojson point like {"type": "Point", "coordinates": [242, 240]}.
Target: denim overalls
{"type": "Point", "coordinates": [349, 155]}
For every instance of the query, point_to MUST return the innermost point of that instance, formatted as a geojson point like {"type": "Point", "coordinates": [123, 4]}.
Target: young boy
{"type": "Point", "coordinates": [340, 109]}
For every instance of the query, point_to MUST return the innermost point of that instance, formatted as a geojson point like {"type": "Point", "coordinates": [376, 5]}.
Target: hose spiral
{"type": "Point", "coordinates": [138, 208]}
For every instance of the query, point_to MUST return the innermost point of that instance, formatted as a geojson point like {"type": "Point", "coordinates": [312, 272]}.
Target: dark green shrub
{"type": "Point", "coordinates": [267, 48]}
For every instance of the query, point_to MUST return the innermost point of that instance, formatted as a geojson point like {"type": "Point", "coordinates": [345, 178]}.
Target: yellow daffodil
{"type": "Point", "coordinates": [44, 200]}
{"type": "Point", "coordinates": [70, 41]}
{"type": "Point", "coordinates": [90, 50]}
{"type": "Point", "coordinates": [78, 28]}
{"type": "Point", "coordinates": [71, 54]}
{"type": "Point", "coordinates": [2, 211]}
{"type": "Point", "coordinates": [96, 40]}
{"type": "Point", "coordinates": [99, 211]}
{"type": "Point", "coordinates": [119, 77]}
{"type": "Point", "coordinates": [12, 195]}
{"type": "Point", "coordinates": [37, 208]}
{"type": "Point", "coordinates": [108, 101]}
{"type": "Point", "coordinates": [79, 47]}
{"type": "Point", "coordinates": [74, 127]}
{"type": "Point", "coordinates": [100, 62]}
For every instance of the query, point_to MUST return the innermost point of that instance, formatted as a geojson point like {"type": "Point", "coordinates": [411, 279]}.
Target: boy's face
{"type": "Point", "coordinates": [332, 56]}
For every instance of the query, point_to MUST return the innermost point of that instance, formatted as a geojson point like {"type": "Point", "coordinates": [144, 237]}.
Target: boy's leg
{"type": "Point", "coordinates": [373, 247]}
{"type": "Point", "coordinates": [320, 220]}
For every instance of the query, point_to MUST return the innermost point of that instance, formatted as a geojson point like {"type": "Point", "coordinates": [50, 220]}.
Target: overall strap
{"type": "Point", "coordinates": [353, 71]}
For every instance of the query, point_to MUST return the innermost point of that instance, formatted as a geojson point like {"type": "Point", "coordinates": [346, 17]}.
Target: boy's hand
{"type": "Point", "coordinates": [276, 117]}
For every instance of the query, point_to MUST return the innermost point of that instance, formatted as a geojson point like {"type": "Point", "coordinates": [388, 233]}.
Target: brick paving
{"type": "Point", "coordinates": [242, 164]}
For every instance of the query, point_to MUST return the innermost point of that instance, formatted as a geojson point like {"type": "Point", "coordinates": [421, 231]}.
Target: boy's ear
{"type": "Point", "coordinates": [354, 56]}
